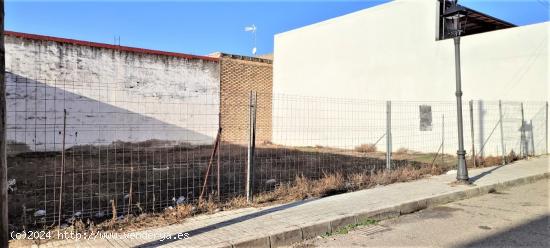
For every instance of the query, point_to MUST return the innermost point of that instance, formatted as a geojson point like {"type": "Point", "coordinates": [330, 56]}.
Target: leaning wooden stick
{"type": "Point", "coordinates": [210, 164]}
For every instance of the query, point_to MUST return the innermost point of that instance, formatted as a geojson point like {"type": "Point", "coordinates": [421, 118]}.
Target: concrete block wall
{"type": "Point", "coordinates": [239, 76]}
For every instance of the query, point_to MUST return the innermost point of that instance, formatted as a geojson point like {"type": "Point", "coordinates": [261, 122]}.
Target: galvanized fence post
{"type": "Point", "coordinates": [442, 140]}
{"type": "Point", "coordinates": [532, 138]}
{"type": "Point", "coordinates": [523, 146]}
{"type": "Point", "coordinates": [472, 133]}
{"type": "Point", "coordinates": [388, 135]}
{"type": "Point", "coordinates": [546, 130]}
{"type": "Point", "coordinates": [251, 147]}
{"type": "Point", "coordinates": [501, 133]}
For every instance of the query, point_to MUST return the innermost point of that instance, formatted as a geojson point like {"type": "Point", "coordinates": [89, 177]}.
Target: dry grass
{"type": "Point", "coordinates": [403, 174]}
{"type": "Point", "coordinates": [236, 202]}
{"type": "Point", "coordinates": [490, 161]}
{"type": "Point", "coordinates": [402, 150]}
{"type": "Point", "coordinates": [181, 211]}
{"type": "Point", "coordinates": [207, 206]}
{"type": "Point", "coordinates": [331, 184]}
{"type": "Point", "coordinates": [366, 148]}
{"type": "Point", "coordinates": [306, 161]}
{"type": "Point", "coordinates": [170, 215]}
{"type": "Point", "coordinates": [495, 160]}
{"type": "Point", "coordinates": [301, 188]}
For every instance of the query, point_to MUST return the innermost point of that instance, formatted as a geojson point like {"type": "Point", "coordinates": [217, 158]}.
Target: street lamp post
{"type": "Point", "coordinates": [462, 171]}
{"type": "Point", "coordinates": [455, 13]}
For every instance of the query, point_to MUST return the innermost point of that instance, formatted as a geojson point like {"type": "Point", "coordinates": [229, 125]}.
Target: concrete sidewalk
{"type": "Point", "coordinates": [285, 224]}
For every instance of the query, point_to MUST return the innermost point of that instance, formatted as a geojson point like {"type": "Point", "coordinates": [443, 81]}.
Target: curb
{"type": "Point", "coordinates": [299, 233]}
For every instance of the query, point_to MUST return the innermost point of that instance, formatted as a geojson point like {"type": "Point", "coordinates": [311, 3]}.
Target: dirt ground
{"type": "Point", "coordinates": [131, 178]}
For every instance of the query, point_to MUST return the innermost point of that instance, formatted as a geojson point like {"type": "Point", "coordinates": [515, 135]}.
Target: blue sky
{"type": "Point", "coordinates": [202, 27]}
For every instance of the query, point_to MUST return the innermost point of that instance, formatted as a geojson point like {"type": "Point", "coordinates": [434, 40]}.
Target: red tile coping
{"type": "Point", "coordinates": [108, 46]}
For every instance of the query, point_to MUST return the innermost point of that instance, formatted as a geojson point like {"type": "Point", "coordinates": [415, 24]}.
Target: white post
{"type": "Point", "coordinates": [523, 146]}
{"type": "Point", "coordinates": [442, 140]}
{"type": "Point", "coordinates": [388, 135]}
{"type": "Point", "coordinates": [474, 162]}
{"type": "Point", "coordinates": [501, 133]}
{"type": "Point", "coordinates": [546, 129]}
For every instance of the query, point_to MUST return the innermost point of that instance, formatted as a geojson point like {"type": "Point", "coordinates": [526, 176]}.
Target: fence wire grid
{"type": "Point", "coordinates": [82, 148]}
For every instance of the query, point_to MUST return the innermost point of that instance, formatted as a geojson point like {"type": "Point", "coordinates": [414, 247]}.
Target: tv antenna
{"type": "Point", "coordinates": [116, 41]}
{"type": "Point", "coordinates": [252, 29]}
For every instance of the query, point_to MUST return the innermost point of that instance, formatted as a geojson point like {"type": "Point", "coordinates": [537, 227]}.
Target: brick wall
{"type": "Point", "coordinates": [238, 76]}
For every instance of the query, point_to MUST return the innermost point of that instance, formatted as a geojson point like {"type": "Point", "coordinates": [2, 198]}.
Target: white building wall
{"type": "Point", "coordinates": [109, 95]}
{"type": "Point", "coordinates": [390, 52]}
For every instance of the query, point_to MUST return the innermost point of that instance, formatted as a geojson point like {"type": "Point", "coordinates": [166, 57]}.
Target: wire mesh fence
{"type": "Point", "coordinates": [94, 149]}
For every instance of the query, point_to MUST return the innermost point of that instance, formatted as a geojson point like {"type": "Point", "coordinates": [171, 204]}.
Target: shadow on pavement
{"type": "Point", "coordinates": [475, 178]}
{"type": "Point", "coordinates": [191, 233]}
{"type": "Point", "coordinates": [535, 233]}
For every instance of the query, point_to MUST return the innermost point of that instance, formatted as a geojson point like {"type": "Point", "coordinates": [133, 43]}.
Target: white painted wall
{"type": "Point", "coordinates": [390, 52]}
{"type": "Point", "coordinates": [110, 95]}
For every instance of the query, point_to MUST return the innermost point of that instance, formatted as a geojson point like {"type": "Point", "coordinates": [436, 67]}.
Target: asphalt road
{"type": "Point", "coordinates": [515, 217]}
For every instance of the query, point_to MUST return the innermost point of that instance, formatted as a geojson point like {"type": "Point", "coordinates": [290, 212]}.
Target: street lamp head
{"type": "Point", "coordinates": [455, 11]}
{"type": "Point", "coordinates": [456, 14]}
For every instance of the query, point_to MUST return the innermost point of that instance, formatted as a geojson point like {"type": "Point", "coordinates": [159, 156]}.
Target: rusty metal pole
{"type": "Point", "coordinates": [4, 238]}
{"type": "Point", "coordinates": [251, 148]}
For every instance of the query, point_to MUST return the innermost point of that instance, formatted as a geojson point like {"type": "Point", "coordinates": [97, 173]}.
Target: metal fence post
{"type": "Point", "coordinates": [251, 147]}
{"type": "Point", "coordinates": [532, 138]}
{"type": "Point", "coordinates": [443, 140]}
{"type": "Point", "coordinates": [523, 146]}
{"type": "Point", "coordinates": [472, 133]}
{"type": "Point", "coordinates": [388, 135]}
{"type": "Point", "coordinates": [501, 133]}
{"type": "Point", "coordinates": [546, 130]}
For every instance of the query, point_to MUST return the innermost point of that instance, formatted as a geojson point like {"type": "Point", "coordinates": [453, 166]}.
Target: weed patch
{"type": "Point", "coordinates": [350, 227]}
